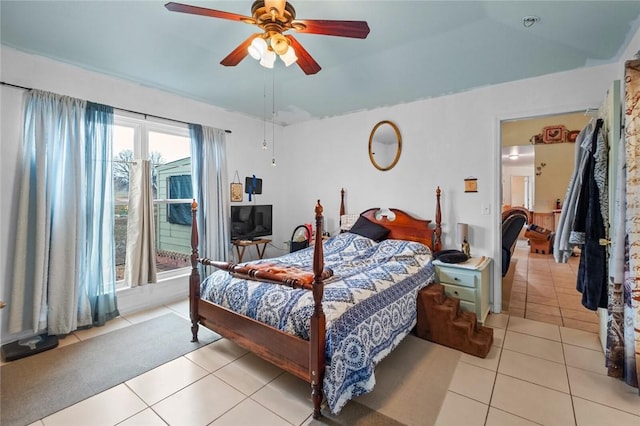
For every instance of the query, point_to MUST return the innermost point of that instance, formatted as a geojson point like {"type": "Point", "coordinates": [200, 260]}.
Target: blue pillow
{"type": "Point", "coordinates": [366, 228]}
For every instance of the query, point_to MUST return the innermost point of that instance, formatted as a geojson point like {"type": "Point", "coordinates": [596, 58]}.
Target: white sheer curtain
{"type": "Point", "coordinates": [140, 262]}
{"type": "Point", "coordinates": [211, 190]}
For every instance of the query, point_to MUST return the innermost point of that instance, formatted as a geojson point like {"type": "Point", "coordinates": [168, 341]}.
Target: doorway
{"type": "Point", "coordinates": [537, 164]}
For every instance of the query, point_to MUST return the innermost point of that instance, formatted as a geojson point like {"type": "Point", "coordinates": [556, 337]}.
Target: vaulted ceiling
{"type": "Point", "coordinates": [415, 49]}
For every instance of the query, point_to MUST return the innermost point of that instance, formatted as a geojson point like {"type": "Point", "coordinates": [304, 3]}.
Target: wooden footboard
{"type": "Point", "coordinates": [302, 358]}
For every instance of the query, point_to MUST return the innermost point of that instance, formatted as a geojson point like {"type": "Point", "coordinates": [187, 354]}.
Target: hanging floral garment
{"type": "Point", "coordinates": [623, 336]}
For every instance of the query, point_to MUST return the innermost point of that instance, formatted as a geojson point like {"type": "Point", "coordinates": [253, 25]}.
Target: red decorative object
{"type": "Point", "coordinates": [572, 135]}
{"type": "Point", "coordinates": [554, 134]}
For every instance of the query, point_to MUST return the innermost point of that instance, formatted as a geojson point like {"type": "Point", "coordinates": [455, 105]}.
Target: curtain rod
{"type": "Point", "coordinates": [121, 109]}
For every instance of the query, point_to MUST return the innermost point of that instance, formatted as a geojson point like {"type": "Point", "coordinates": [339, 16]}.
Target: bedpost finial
{"type": "Point", "coordinates": [318, 208]}
{"type": "Point", "coordinates": [194, 205]}
{"type": "Point", "coordinates": [438, 191]}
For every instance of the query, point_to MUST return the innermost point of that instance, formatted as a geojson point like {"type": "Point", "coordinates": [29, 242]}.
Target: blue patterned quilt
{"type": "Point", "coordinates": [369, 303]}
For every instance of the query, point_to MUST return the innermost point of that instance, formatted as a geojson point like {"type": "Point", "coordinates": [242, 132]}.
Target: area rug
{"type": "Point", "coordinates": [42, 384]}
{"type": "Point", "coordinates": [411, 385]}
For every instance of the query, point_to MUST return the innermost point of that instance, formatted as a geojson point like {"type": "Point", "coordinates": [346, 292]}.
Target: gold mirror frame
{"type": "Point", "coordinates": [398, 142]}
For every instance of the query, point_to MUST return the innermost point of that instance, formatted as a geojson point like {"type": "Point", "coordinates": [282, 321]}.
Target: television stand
{"type": "Point", "coordinates": [241, 245]}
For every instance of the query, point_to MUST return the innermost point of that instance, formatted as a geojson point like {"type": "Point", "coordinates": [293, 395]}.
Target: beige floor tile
{"type": "Point", "coordinates": [497, 320]}
{"type": "Point", "coordinates": [546, 318]}
{"type": "Point", "coordinates": [581, 325]}
{"type": "Point", "coordinates": [216, 355]}
{"type": "Point", "coordinates": [288, 397]}
{"type": "Point", "coordinates": [534, 346]}
{"type": "Point", "coordinates": [569, 291]}
{"type": "Point", "coordinates": [517, 304]}
{"type": "Point", "coordinates": [459, 410]}
{"type": "Point", "coordinates": [67, 340]}
{"type": "Point", "coordinates": [580, 338]}
{"type": "Point", "coordinates": [542, 300]}
{"type": "Point", "coordinates": [568, 284]}
{"type": "Point", "coordinates": [249, 412]}
{"type": "Point", "coordinates": [181, 307]}
{"type": "Point", "coordinates": [159, 383]}
{"type": "Point", "coordinates": [114, 324]}
{"type": "Point", "coordinates": [473, 382]}
{"type": "Point", "coordinates": [570, 301]}
{"type": "Point", "coordinates": [522, 297]}
{"type": "Point", "coordinates": [498, 336]}
{"type": "Point", "coordinates": [147, 314]}
{"type": "Point", "coordinates": [541, 290]}
{"type": "Point", "coordinates": [589, 413]}
{"type": "Point", "coordinates": [604, 390]}
{"type": "Point", "coordinates": [535, 370]}
{"type": "Point", "coordinates": [147, 417]}
{"type": "Point", "coordinates": [580, 315]}
{"type": "Point", "coordinates": [518, 313]}
{"type": "Point", "coordinates": [543, 309]}
{"type": "Point", "coordinates": [248, 374]}
{"type": "Point", "coordinates": [502, 418]}
{"type": "Point", "coordinates": [104, 409]}
{"type": "Point", "coordinates": [586, 359]}
{"type": "Point", "coordinates": [532, 402]}
{"type": "Point", "coordinates": [519, 287]}
{"type": "Point", "coordinates": [200, 403]}
{"type": "Point", "coordinates": [490, 362]}
{"type": "Point", "coordinates": [37, 423]}
{"type": "Point", "coordinates": [534, 328]}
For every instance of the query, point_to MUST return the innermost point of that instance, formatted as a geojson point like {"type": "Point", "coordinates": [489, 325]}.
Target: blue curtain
{"type": "Point", "coordinates": [211, 190]}
{"type": "Point", "coordinates": [98, 274]}
{"type": "Point", "coordinates": [57, 242]}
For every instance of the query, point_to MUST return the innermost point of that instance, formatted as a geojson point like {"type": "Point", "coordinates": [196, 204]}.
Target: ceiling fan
{"type": "Point", "coordinates": [274, 17]}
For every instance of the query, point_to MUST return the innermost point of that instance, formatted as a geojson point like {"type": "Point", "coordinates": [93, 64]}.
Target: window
{"type": "Point", "coordinates": [168, 147]}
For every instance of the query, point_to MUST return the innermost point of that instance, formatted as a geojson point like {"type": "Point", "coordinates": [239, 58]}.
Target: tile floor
{"type": "Point", "coordinates": [536, 373]}
{"type": "Point", "coordinates": [545, 291]}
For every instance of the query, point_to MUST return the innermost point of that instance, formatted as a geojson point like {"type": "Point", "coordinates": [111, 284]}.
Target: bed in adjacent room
{"type": "Point", "coordinates": [327, 314]}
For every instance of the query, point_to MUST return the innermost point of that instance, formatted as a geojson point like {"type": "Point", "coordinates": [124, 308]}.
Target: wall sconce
{"type": "Point", "coordinates": [539, 168]}
{"type": "Point", "coordinates": [463, 238]}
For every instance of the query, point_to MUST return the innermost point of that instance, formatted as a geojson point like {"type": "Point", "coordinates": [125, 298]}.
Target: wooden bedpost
{"type": "Point", "coordinates": [318, 321]}
{"type": "Point", "coordinates": [437, 243]}
{"type": "Point", "coordinates": [194, 278]}
{"type": "Point", "coordinates": [342, 209]}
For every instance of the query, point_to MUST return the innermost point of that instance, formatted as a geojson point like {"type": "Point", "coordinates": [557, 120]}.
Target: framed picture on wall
{"type": "Point", "coordinates": [554, 134]}
{"type": "Point", "coordinates": [572, 135]}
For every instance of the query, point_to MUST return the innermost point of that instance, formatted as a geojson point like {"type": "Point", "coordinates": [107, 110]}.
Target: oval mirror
{"type": "Point", "coordinates": [385, 145]}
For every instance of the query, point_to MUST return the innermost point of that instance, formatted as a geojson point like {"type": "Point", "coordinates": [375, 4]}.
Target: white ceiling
{"type": "Point", "coordinates": [415, 50]}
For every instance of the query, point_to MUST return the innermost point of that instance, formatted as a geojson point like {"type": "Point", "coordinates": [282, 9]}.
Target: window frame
{"type": "Point", "coordinates": [142, 128]}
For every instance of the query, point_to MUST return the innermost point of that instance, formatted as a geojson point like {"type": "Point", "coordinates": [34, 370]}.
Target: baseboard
{"type": "Point", "coordinates": [148, 296]}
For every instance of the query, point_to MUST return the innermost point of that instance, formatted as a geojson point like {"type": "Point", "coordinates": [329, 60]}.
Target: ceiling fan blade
{"type": "Point", "coordinates": [353, 29]}
{"type": "Point", "coordinates": [212, 13]}
{"type": "Point", "coordinates": [239, 53]}
{"type": "Point", "coordinates": [305, 61]}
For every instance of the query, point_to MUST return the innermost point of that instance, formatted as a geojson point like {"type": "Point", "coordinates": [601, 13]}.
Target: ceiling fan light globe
{"type": "Point", "coordinates": [268, 58]}
{"type": "Point", "coordinates": [289, 57]}
{"type": "Point", "coordinates": [257, 48]}
{"type": "Point", "coordinates": [279, 44]}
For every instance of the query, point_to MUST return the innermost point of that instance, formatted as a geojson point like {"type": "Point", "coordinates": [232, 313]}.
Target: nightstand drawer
{"type": "Point", "coordinates": [467, 306]}
{"type": "Point", "coordinates": [462, 293]}
{"type": "Point", "coordinates": [457, 277]}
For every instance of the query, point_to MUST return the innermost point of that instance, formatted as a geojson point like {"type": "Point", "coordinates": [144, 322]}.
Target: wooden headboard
{"type": "Point", "coordinates": [406, 227]}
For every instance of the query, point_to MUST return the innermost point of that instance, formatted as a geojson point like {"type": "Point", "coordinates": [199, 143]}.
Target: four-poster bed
{"type": "Point", "coordinates": [312, 337]}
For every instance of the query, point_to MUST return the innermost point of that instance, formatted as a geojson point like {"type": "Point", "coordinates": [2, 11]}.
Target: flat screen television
{"type": "Point", "coordinates": [251, 222]}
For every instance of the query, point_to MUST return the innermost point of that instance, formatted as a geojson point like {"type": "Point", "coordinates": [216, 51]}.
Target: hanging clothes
{"type": "Point", "coordinates": [562, 247]}
{"type": "Point", "coordinates": [589, 225]}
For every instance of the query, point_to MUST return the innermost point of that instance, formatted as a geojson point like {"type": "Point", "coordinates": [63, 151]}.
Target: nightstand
{"type": "Point", "coordinates": [469, 281]}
